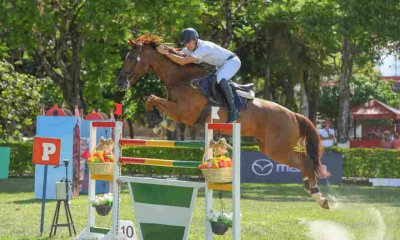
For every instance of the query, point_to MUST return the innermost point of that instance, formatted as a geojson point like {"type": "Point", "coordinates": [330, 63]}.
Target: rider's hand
{"type": "Point", "coordinates": [162, 50]}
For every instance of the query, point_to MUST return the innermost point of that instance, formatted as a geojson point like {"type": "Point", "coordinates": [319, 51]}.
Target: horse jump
{"type": "Point", "coordinates": [152, 224]}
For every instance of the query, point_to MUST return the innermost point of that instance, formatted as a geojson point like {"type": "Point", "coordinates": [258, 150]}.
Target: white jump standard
{"type": "Point", "coordinates": [162, 208]}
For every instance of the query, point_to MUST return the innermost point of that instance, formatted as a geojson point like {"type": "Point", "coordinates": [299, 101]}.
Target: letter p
{"type": "Point", "coordinates": [48, 148]}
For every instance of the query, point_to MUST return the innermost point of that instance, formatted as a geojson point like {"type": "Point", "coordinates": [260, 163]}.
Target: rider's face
{"type": "Point", "coordinates": [191, 45]}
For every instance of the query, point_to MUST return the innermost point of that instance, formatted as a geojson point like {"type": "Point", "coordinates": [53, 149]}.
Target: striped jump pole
{"type": "Point", "coordinates": [163, 208]}
{"type": "Point", "coordinates": [162, 143]}
{"type": "Point", "coordinates": [159, 162]}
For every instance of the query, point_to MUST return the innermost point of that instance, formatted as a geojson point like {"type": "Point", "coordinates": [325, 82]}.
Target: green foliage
{"type": "Point", "coordinates": [364, 87]}
{"type": "Point", "coordinates": [20, 98]}
{"type": "Point", "coordinates": [135, 98]}
{"type": "Point", "coordinates": [81, 44]}
{"type": "Point", "coordinates": [370, 163]}
{"type": "Point", "coordinates": [367, 163]}
{"type": "Point", "coordinates": [20, 158]}
{"type": "Point", "coordinates": [105, 28]}
{"type": "Point", "coordinates": [357, 162]}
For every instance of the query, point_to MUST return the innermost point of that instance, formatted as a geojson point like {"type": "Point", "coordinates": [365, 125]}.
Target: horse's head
{"type": "Point", "coordinates": [136, 63]}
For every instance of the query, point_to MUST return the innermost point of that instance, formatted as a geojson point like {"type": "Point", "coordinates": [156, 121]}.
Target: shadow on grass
{"type": "Point", "coordinates": [260, 192]}
{"type": "Point", "coordinates": [31, 201]}
{"type": "Point", "coordinates": [295, 193]}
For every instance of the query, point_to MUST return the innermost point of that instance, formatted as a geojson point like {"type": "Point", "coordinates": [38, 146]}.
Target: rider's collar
{"type": "Point", "coordinates": [197, 44]}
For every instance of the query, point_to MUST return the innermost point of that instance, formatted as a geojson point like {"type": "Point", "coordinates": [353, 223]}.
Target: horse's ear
{"type": "Point", "coordinates": [132, 43]}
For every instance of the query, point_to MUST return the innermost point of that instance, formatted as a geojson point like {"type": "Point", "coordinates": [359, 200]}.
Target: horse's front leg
{"type": "Point", "coordinates": [153, 116]}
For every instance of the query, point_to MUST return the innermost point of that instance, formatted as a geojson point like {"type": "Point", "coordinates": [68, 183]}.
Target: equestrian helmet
{"type": "Point", "coordinates": [188, 34]}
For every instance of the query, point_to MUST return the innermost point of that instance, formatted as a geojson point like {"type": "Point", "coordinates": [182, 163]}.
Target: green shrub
{"type": "Point", "coordinates": [357, 162]}
{"type": "Point", "coordinates": [370, 163]}
{"type": "Point", "coordinates": [20, 158]}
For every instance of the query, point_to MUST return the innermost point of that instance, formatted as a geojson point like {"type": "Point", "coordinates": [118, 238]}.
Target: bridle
{"type": "Point", "coordinates": [135, 59]}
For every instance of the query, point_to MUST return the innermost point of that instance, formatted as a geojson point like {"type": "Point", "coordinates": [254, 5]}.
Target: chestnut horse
{"type": "Point", "coordinates": [277, 129]}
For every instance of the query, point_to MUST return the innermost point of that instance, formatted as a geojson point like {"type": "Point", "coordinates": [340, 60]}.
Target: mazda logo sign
{"type": "Point", "coordinates": [262, 167]}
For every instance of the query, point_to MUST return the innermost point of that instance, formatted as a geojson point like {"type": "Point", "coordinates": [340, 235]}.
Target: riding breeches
{"type": "Point", "coordinates": [228, 69]}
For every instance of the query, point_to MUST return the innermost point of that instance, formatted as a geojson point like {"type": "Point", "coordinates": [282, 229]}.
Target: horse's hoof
{"type": "Point", "coordinates": [156, 116]}
{"type": "Point", "coordinates": [325, 204]}
{"type": "Point", "coordinates": [150, 121]}
{"type": "Point", "coordinates": [153, 118]}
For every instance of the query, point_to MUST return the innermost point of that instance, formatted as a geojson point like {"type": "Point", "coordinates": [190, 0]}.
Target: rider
{"type": "Point", "coordinates": [226, 62]}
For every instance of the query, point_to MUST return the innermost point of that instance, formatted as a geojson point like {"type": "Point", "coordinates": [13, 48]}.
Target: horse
{"type": "Point", "coordinates": [277, 129]}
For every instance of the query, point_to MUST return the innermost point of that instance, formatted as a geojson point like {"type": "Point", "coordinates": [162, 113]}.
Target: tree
{"type": "Point", "coordinates": [76, 42]}
{"type": "Point", "coordinates": [20, 98]}
{"type": "Point", "coordinates": [363, 28]}
{"type": "Point", "coordinates": [364, 86]}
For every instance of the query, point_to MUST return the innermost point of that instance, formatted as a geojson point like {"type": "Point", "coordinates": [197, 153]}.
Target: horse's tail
{"type": "Point", "coordinates": [313, 144]}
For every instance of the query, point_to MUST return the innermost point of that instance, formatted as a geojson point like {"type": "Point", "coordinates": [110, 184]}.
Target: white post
{"type": "Point", "coordinates": [236, 181]}
{"type": "Point", "coordinates": [117, 175]}
{"type": "Point", "coordinates": [208, 194]}
{"type": "Point", "coordinates": [92, 183]}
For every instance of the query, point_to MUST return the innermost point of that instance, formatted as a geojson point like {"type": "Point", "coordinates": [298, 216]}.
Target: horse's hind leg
{"type": "Point", "coordinates": [310, 182]}
{"type": "Point", "coordinates": [306, 170]}
{"type": "Point", "coordinates": [293, 159]}
{"type": "Point", "coordinates": [314, 190]}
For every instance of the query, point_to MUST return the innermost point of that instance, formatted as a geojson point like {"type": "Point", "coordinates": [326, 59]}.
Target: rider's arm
{"type": "Point", "coordinates": [181, 60]}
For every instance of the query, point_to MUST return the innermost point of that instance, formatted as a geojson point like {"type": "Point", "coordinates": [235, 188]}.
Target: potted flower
{"type": "Point", "coordinates": [220, 222]}
{"type": "Point", "coordinates": [103, 204]}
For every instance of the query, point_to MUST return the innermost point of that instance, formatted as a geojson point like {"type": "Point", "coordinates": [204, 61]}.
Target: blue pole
{"type": "Point", "coordinates": [43, 199]}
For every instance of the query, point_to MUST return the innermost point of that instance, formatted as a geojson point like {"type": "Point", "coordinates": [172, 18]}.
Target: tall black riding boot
{"type": "Point", "coordinates": [233, 113]}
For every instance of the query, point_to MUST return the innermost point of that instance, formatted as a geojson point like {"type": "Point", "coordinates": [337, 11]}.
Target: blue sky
{"type": "Point", "coordinates": [390, 66]}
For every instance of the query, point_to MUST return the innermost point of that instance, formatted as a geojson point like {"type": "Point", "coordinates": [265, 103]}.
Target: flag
{"type": "Point", "coordinates": [214, 113]}
{"type": "Point", "coordinates": [86, 154]}
{"type": "Point", "coordinates": [118, 108]}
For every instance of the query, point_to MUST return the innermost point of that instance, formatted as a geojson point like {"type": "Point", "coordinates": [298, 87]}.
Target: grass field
{"type": "Point", "coordinates": [269, 211]}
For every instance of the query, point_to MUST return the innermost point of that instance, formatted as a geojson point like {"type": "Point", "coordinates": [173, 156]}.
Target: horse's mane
{"type": "Point", "coordinates": [154, 41]}
{"type": "Point", "coordinates": [150, 39]}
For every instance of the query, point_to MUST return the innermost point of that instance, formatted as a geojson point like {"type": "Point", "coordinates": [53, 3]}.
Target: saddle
{"type": "Point", "coordinates": [210, 88]}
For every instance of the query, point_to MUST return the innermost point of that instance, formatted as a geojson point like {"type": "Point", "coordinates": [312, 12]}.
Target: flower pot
{"type": "Point", "coordinates": [219, 228]}
{"type": "Point", "coordinates": [103, 210]}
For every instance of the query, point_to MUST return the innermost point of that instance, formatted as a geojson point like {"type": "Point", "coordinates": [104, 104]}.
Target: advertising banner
{"type": "Point", "coordinates": [258, 168]}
